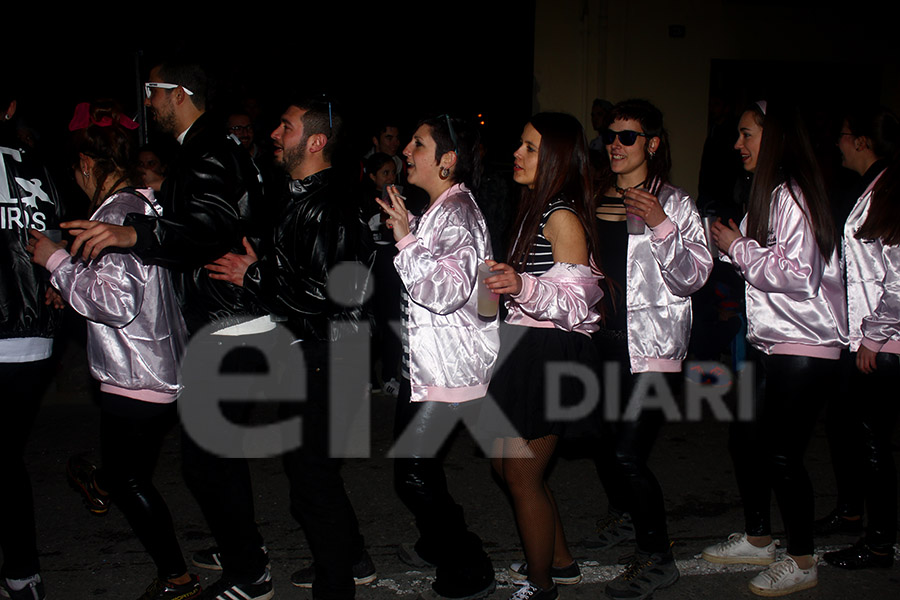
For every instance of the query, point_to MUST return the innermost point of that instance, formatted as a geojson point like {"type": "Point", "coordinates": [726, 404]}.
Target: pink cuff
{"type": "Point", "coordinates": [528, 285]}
{"type": "Point", "coordinates": [872, 345]}
{"type": "Point", "coordinates": [405, 241]}
{"type": "Point", "coordinates": [731, 247]}
{"type": "Point", "coordinates": [664, 229]}
{"type": "Point", "coordinates": [56, 259]}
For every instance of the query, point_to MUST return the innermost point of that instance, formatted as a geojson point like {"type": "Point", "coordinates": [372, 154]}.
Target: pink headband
{"type": "Point", "coordinates": [82, 119]}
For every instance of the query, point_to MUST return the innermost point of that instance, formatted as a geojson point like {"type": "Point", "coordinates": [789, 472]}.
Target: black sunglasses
{"type": "Point", "coordinates": [627, 137]}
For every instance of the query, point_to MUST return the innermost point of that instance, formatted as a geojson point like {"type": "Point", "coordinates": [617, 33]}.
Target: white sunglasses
{"type": "Point", "coordinates": [148, 87]}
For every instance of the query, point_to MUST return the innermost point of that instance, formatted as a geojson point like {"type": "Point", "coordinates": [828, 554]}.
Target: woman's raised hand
{"type": "Point", "coordinates": [398, 215]}
{"type": "Point", "coordinates": [645, 205]}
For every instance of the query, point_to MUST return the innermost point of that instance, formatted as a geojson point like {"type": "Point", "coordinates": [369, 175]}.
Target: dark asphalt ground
{"type": "Point", "coordinates": [88, 557]}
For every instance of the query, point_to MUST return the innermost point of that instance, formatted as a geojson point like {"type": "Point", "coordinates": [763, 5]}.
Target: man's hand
{"type": "Point", "coordinates": [232, 267]}
{"type": "Point", "coordinates": [92, 237]}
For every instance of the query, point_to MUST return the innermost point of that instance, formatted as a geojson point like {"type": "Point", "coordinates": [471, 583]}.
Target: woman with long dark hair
{"type": "Point", "coordinates": [136, 337]}
{"type": "Point", "coordinates": [448, 350]}
{"type": "Point", "coordinates": [553, 293]}
{"type": "Point", "coordinates": [872, 266]}
{"type": "Point", "coordinates": [658, 259]}
{"type": "Point", "coordinates": [868, 139]}
{"type": "Point", "coordinates": [786, 251]}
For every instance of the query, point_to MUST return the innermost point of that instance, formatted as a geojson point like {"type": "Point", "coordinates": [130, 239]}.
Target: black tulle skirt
{"type": "Point", "coordinates": [548, 382]}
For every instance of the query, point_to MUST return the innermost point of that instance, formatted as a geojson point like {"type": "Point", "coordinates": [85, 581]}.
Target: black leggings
{"type": "Point", "coordinates": [131, 435]}
{"type": "Point", "coordinates": [22, 384]}
{"type": "Point", "coordinates": [621, 461]}
{"type": "Point", "coordinates": [444, 538]}
{"type": "Point", "coordinates": [864, 460]}
{"type": "Point", "coordinates": [768, 451]}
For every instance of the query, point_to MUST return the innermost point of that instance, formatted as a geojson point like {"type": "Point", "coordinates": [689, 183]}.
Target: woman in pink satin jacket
{"type": "Point", "coordinates": [448, 350]}
{"type": "Point", "coordinates": [553, 294]}
{"type": "Point", "coordinates": [786, 249]}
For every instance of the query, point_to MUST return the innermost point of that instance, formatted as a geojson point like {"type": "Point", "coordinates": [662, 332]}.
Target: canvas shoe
{"type": "Point", "coordinates": [529, 591]}
{"type": "Point", "coordinates": [784, 577]}
{"type": "Point", "coordinates": [737, 550]}
{"type": "Point", "coordinates": [562, 575]}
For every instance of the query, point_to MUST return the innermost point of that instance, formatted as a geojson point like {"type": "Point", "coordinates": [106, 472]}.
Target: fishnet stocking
{"type": "Point", "coordinates": [522, 464]}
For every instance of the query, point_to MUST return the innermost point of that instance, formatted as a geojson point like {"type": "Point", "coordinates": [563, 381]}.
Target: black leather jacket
{"type": "Point", "coordinates": [28, 199]}
{"type": "Point", "coordinates": [319, 227]}
{"type": "Point", "coordinates": [209, 200]}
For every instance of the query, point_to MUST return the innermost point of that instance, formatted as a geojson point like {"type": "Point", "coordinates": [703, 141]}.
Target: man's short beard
{"type": "Point", "coordinates": [294, 157]}
{"type": "Point", "coordinates": [166, 123]}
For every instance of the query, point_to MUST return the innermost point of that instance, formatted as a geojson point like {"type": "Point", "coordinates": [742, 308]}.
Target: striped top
{"type": "Point", "coordinates": [540, 260]}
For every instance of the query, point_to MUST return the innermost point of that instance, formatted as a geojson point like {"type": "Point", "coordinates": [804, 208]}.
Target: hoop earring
{"type": "Point", "coordinates": [444, 173]}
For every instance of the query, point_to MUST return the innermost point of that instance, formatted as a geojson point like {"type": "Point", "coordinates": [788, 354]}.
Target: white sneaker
{"type": "Point", "coordinates": [737, 550]}
{"type": "Point", "coordinates": [783, 578]}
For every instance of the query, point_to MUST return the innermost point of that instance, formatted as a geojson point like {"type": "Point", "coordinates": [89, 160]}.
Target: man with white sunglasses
{"type": "Point", "coordinates": [208, 197]}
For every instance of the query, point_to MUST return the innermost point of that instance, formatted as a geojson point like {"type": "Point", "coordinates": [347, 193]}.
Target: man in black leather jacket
{"type": "Point", "coordinates": [208, 200]}
{"type": "Point", "coordinates": [293, 277]}
{"type": "Point", "coordinates": [28, 199]}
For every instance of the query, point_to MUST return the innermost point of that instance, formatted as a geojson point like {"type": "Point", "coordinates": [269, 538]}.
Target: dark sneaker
{"type": "Point", "coordinates": [529, 591]}
{"type": "Point", "coordinates": [562, 575]}
{"type": "Point", "coordinates": [211, 558]}
{"type": "Point", "coordinates": [408, 556]}
{"type": "Point", "coordinates": [434, 595]}
{"type": "Point", "coordinates": [643, 576]}
{"type": "Point", "coordinates": [225, 589]}
{"type": "Point", "coordinates": [33, 591]}
{"type": "Point", "coordinates": [861, 556]}
{"type": "Point", "coordinates": [80, 474]}
{"type": "Point", "coordinates": [363, 573]}
{"type": "Point", "coordinates": [836, 523]}
{"type": "Point", "coordinates": [613, 529]}
{"type": "Point", "coordinates": [166, 590]}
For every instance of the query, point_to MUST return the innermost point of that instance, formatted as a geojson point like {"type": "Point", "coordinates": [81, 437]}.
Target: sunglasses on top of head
{"type": "Point", "coordinates": [627, 137]}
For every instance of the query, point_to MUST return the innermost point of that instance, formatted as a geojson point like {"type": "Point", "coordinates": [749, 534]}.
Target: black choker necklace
{"type": "Point", "coordinates": [621, 191]}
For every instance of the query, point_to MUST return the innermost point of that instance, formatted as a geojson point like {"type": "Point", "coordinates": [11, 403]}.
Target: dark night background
{"type": "Point", "coordinates": [467, 58]}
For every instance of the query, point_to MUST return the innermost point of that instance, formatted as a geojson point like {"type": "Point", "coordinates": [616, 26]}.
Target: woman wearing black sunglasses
{"type": "Point", "coordinates": [652, 241]}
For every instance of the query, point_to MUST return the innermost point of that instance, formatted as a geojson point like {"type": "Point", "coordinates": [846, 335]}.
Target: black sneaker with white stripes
{"type": "Point", "coordinates": [225, 589]}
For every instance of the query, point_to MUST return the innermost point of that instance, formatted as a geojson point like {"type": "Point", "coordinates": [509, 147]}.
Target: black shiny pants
{"type": "Point", "coordinates": [867, 469]}
{"type": "Point", "coordinates": [463, 567]}
{"type": "Point", "coordinates": [22, 385]}
{"type": "Point", "coordinates": [768, 450]}
{"type": "Point", "coordinates": [131, 436]}
{"type": "Point", "coordinates": [623, 451]}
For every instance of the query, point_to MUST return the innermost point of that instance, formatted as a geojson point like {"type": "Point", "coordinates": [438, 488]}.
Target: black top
{"type": "Point", "coordinates": [540, 260]}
